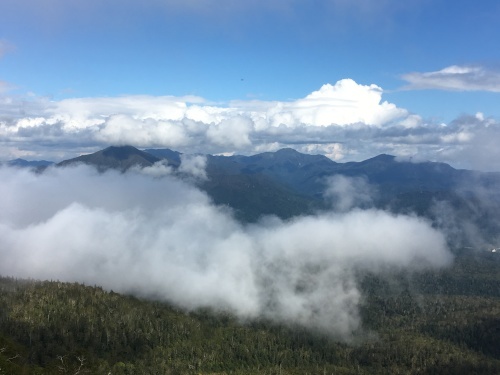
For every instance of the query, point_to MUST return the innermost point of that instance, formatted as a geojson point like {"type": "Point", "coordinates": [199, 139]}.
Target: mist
{"type": "Point", "coordinates": [346, 193]}
{"type": "Point", "coordinates": [161, 237]}
{"type": "Point", "coordinates": [470, 217]}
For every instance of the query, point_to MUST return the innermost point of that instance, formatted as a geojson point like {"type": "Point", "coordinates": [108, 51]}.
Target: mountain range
{"type": "Point", "coordinates": [287, 183]}
{"type": "Point", "coordinates": [428, 321]}
{"type": "Point", "coordinates": [28, 163]}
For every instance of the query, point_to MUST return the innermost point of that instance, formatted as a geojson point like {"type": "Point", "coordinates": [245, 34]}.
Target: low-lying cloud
{"type": "Point", "coordinates": [163, 238]}
{"type": "Point", "coordinates": [346, 193]}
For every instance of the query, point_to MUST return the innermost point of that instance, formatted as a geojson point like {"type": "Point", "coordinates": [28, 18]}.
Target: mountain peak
{"type": "Point", "coordinates": [382, 158]}
{"type": "Point", "coordinates": [172, 157]}
{"type": "Point", "coordinates": [117, 157]}
{"type": "Point", "coordinates": [288, 151]}
{"type": "Point", "coordinates": [290, 155]}
{"type": "Point", "coordinates": [120, 152]}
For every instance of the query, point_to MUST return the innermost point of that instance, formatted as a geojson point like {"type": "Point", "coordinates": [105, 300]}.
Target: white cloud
{"type": "Point", "coordinates": [345, 193]}
{"type": "Point", "coordinates": [190, 122]}
{"type": "Point", "coordinates": [456, 78]}
{"type": "Point", "coordinates": [125, 130]}
{"type": "Point", "coordinates": [345, 121]}
{"type": "Point", "coordinates": [194, 166]}
{"type": "Point", "coordinates": [334, 151]}
{"type": "Point", "coordinates": [158, 169]}
{"type": "Point", "coordinates": [81, 110]}
{"type": "Point", "coordinates": [162, 237]}
{"type": "Point", "coordinates": [344, 103]}
{"type": "Point", "coordinates": [476, 143]}
{"type": "Point", "coordinates": [232, 132]}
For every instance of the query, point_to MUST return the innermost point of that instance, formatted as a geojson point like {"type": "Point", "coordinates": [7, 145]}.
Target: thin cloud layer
{"type": "Point", "coordinates": [455, 78]}
{"type": "Point", "coordinates": [163, 238]}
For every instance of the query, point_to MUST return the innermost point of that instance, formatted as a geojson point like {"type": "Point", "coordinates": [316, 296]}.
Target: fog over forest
{"type": "Point", "coordinates": [156, 235]}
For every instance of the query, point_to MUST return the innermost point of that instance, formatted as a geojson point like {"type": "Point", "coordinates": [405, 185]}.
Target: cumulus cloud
{"type": "Point", "coordinates": [187, 122]}
{"type": "Point", "coordinates": [344, 121]}
{"type": "Point", "coordinates": [344, 103]}
{"type": "Point", "coordinates": [80, 110]}
{"type": "Point", "coordinates": [163, 238]}
{"type": "Point", "coordinates": [126, 130]}
{"type": "Point", "coordinates": [456, 78]}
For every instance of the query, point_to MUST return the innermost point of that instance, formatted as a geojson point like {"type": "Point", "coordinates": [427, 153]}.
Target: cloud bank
{"type": "Point", "coordinates": [344, 121]}
{"type": "Point", "coordinates": [163, 238]}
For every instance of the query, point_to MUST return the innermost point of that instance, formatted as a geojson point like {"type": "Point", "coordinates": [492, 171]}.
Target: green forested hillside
{"type": "Point", "coordinates": [440, 322]}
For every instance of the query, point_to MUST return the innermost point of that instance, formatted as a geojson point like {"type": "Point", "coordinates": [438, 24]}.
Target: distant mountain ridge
{"type": "Point", "coordinates": [28, 163]}
{"type": "Point", "coordinates": [287, 183]}
{"type": "Point", "coordinates": [302, 173]}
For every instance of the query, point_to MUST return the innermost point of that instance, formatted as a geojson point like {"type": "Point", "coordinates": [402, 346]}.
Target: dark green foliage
{"type": "Point", "coordinates": [432, 322]}
{"type": "Point", "coordinates": [252, 197]}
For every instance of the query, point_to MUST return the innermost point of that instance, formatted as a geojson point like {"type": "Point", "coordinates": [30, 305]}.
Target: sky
{"type": "Point", "coordinates": [347, 79]}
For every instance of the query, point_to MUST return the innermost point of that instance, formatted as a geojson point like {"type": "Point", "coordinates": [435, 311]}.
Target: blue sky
{"type": "Point", "coordinates": [438, 60]}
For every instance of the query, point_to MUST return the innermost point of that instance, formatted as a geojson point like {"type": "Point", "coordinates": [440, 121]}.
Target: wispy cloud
{"type": "Point", "coordinates": [455, 78]}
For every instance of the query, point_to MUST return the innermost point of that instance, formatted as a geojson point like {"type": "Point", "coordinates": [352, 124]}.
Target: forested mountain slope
{"type": "Point", "coordinates": [433, 322]}
{"type": "Point", "coordinates": [287, 183]}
